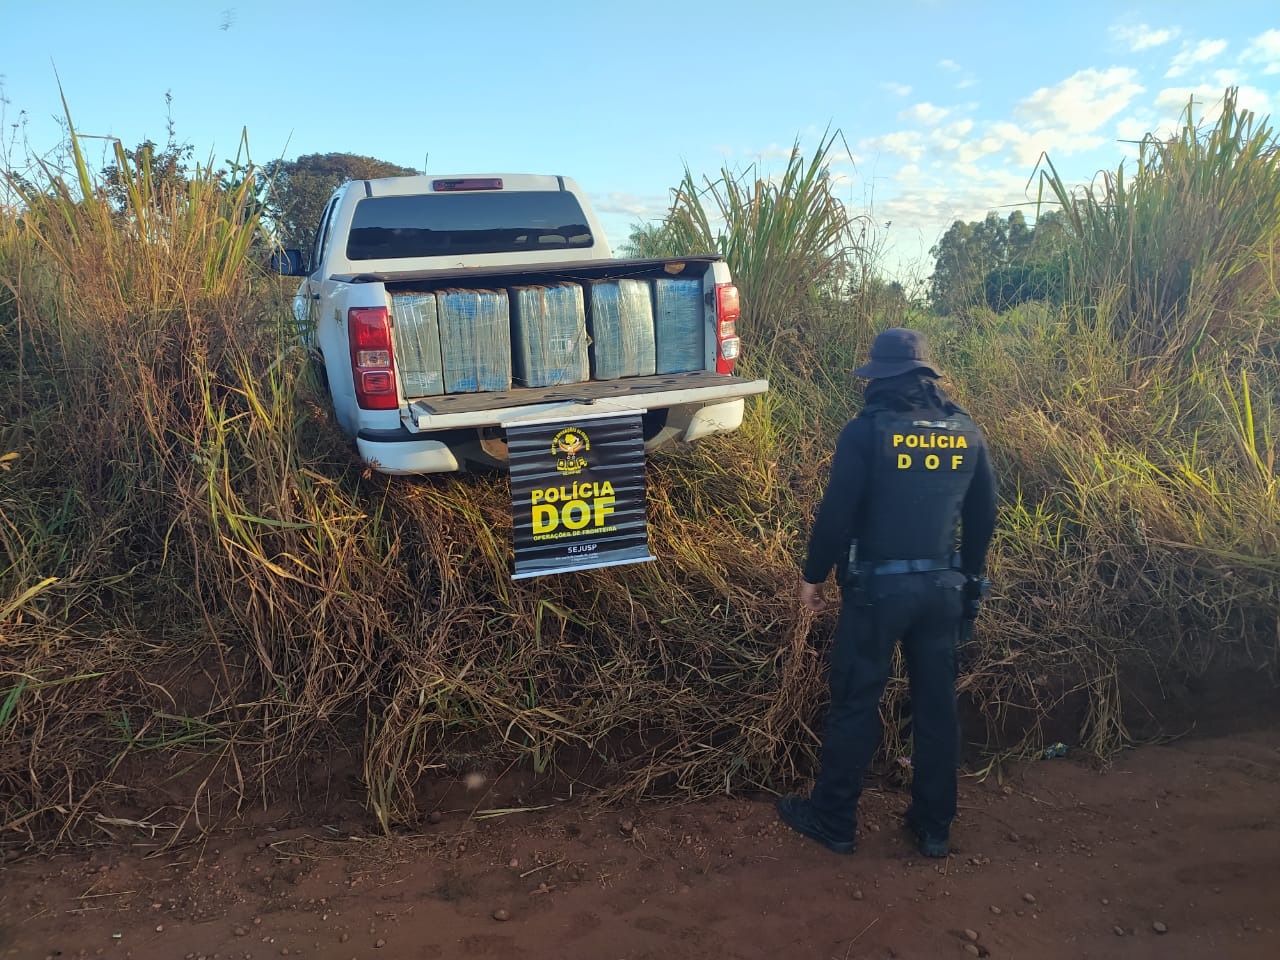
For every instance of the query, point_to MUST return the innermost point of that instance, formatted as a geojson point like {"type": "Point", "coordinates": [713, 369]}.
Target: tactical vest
{"type": "Point", "coordinates": [921, 470]}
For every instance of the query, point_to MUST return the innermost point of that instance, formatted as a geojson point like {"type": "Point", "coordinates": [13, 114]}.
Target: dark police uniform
{"type": "Point", "coordinates": [911, 477]}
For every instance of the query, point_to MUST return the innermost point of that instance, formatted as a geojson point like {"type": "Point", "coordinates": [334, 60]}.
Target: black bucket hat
{"type": "Point", "coordinates": [897, 351]}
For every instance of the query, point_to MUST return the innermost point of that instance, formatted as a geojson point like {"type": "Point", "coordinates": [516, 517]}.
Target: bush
{"type": "Point", "coordinates": [195, 572]}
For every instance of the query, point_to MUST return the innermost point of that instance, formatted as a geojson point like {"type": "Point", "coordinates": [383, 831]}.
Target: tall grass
{"type": "Point", "coordinates": [1179, 254]}
{"type": "Point", "coordinates": [788, 238]}
{"type": "Point", "coordinates": [196, 574]}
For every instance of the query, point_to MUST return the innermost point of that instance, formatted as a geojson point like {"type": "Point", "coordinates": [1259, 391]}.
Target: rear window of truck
{"type": "Point", "coordinates": [456, 224]}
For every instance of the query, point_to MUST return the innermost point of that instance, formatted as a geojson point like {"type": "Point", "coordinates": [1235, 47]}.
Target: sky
{"type": "Point", "coordinates": [944, 107]}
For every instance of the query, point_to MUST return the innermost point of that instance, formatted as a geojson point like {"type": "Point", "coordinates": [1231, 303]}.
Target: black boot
{"type": "Point", "coordinates": [797, 813]}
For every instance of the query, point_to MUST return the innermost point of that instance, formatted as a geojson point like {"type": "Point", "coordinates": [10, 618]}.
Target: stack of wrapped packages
{"type": "Point", "coordinates": [475, 340]}
{"type": "Point", "coordinates": [548, 335]}
{"type": "Point", "coordinates": [621, 326]}
{"type": "Point", "coordinates": [467, 341]}
{"type": "Point", "coordinates": [416, 337]}
{"type": "Point", "coordinates": [678, 325]}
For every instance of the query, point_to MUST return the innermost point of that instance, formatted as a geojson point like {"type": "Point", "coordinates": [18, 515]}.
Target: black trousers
{"type": "Point", "coordinates": [923, 611]}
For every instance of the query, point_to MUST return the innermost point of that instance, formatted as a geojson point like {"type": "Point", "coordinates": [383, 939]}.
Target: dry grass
{"type": "Point", "coordinates": [202, 591]}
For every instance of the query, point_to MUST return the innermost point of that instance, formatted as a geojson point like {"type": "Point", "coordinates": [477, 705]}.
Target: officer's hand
{"type": "Point", "coordinates": [812, 597]}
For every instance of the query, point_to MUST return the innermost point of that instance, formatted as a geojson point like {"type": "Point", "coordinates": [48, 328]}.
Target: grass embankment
{"type": "Point", "coordinates": [197, 581]}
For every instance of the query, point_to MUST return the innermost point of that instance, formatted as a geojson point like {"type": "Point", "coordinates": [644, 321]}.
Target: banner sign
{"type": "Point", "coordinates": [577, 493]}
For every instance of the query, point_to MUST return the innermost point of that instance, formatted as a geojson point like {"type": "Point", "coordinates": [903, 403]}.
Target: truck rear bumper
{"type": "Point", "coordinates": [712, 419]}
{"type": "Point", "coordinates": [698, 389]}
{"type": "Point", "coordinates": [428, 441]}
{"type": "Point", "coordinates": [401, 453]}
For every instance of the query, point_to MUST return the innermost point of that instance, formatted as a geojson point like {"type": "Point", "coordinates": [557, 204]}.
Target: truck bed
{"type": "Point", "coordinates": [573, 399]}
{"type": "Point", "coordinates": [546, 272]}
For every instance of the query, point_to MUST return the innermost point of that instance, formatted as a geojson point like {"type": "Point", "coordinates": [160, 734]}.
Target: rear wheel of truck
{"type": "Point", "coordinates": [319, 371]}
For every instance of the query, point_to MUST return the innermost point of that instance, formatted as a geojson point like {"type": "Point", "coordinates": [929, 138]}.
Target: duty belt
{"type": "Point", "coordinates": [885, 568]}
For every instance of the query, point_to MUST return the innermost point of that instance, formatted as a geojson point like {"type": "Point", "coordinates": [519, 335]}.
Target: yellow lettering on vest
{"type": "Point", "coordinates": [961, 442]}
{"type": "Point", "coordinates": [897, 439]}
{"type": "Point", "coordinates": [931, 461]}
{"type": "Point", "coordinates": [904, 461]}
{"type": "Point", "coordinates": [956, 460]}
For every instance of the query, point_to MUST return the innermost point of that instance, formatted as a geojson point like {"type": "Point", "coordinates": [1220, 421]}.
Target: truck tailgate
{"type": "Point", "coordinates": [699, 387]}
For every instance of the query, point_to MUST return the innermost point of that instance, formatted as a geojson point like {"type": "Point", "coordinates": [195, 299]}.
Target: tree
{"type": "Point", "coordinates": [1018, 237]}
{"type": "Point", "coordinates": [956, 276]}
{"type": "Point", "coordinates": [1049, 240]}
{"type": "Point", "coordinates": [652, 239]}
{"type": "Point", "coordinates": [298, 189]}
{"type": "Point", "coordinates": [166, 168]}
{"type": "Point", "coordinates": [999, 262]}
{"type": "Point", "coordinates": [1006, 287]}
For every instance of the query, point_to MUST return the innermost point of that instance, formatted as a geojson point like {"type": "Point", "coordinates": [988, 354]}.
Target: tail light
{"type": "Point", "coordinates": [727, 312]}
{"type": "Point", "coordinates": [369, 329]}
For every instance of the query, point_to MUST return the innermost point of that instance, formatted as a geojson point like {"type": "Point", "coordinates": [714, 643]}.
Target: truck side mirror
{"type": "Point", "coordinates": [288, 263]}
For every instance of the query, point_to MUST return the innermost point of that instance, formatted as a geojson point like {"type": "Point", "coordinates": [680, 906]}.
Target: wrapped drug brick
{"type": "Point", "coordinates": [475, 340]}
{"type": "Point", "coordinates": [415, 334]}
{"type": "Point", "coordinates": [621, 328]}
{"type": "Point", "coordinates": [548, 335]}
{"type": "Point", "coordinates": [678, 325]}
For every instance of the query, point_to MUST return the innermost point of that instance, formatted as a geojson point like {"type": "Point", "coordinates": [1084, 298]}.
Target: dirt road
{"type": "Point", "coordinates": [1173, 852]}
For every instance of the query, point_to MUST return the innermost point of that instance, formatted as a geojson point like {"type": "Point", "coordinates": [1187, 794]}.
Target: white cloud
{"type": "Point", "coordinates": [844, 158]}
{"type": "Point", "coordinates": [944, 142]}
{"type": "Point", "coordinates": [956, 129]}
{"type": "Point", "coordinates": [905, 143]}
{"type": "Point", "coordinates": [966, 77]}
{"type": "Point", "coordinates": [1208, 99]}
{"type": "Point", "coordinates": [928, 205]}
{"type": "Point", "coordinates": [1175, 98]}
{"type": "Point", "coordinates": [1139, 37]}
{"type": "Point", "coordinates": [772, 152]}
{"type": "Point", "coordinates": [977, 149]}
{"type": "Point", "coordinates": [1265, 49]}
{"type": "Point", "coordinates": [1259, 101]}
{"type": "Point", "coordinates": [897, 89]}
{"type": "Point", "coordinates": [1026, 147]}
{"type": "Point", "coordinates": [1172, 102]}
{"type": "Point", "coordinates": [925, 113]}
{"type": "Point", "coordinates": [1084, 101]}
{"type": "Point", "coordinates": [1135, 128]}
{"type": "Point", "coordinates": [1193, 53]}
{"type": "Point", "coordinates": [639, 206]}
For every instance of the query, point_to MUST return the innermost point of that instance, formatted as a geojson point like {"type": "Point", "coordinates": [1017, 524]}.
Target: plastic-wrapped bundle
{"type": "Point", "coordinates": [475, 340]}
{"type": "Point", "coordinates": [621, 329]}
{"type": "Point", "coordinates": [548, 335]}
{"type": "Point", "coordinates": [678, 325]}
{"type": "Point", "coordinates": [416, 336]}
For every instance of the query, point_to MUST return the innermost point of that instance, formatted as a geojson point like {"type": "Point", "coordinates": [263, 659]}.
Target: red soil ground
{"type": "Point", "coordinates": [1058, 861]}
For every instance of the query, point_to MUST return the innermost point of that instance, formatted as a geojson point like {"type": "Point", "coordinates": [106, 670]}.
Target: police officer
{"type": "Point", "coordinates": [910, 477]}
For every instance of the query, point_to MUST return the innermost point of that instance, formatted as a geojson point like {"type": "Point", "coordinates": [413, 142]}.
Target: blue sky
{"type": "Point", "coordinates": [945, 104]}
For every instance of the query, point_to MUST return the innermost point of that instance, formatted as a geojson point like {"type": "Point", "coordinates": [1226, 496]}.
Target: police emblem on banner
{"type": "Point", "coordinates": [577, 494]}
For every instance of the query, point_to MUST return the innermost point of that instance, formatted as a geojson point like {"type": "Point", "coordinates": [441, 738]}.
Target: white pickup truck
{"type": "Point", "coordinates": [442, 308]}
